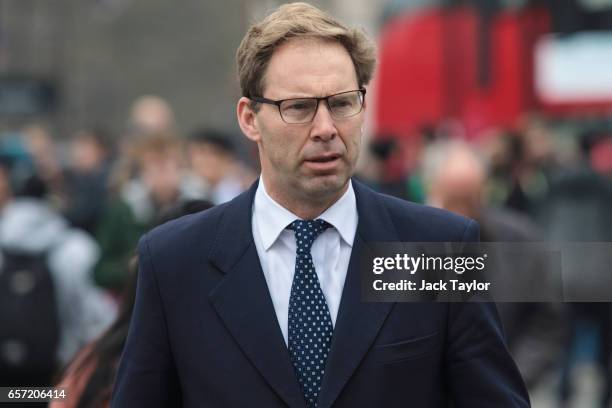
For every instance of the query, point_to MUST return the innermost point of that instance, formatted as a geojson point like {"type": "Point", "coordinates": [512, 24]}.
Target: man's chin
{"type": "Point", "coordinates": [324, 185]}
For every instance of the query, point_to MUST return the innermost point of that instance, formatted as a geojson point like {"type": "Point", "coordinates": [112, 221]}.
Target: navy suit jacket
{"type": "Point", "coordinates": [204, 332]}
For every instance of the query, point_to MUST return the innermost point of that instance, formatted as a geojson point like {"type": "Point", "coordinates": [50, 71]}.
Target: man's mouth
{"type": "Point", "coordinates": [323, 158]}
{"type": "Point", "coordinates": [324, 163]}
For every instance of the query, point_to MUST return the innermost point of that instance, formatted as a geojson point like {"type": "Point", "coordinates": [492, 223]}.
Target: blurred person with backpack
{"type": "Point", "coordinates": [49, 307]}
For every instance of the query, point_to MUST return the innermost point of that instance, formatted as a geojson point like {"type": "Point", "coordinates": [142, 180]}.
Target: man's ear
{"type": "Point", "coordinates": [246, 119]}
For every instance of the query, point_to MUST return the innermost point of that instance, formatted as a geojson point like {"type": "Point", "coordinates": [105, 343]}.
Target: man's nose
{"type": "Point", "coordinates": [323, 125]}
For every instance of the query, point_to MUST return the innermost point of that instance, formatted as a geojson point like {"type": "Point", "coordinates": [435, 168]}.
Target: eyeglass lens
{"type": "Point", "coordinates": [303, 110]}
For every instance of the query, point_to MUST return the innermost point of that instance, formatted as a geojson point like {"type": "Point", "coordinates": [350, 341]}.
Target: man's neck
{"type": "Point", "coordinates": [306, 208]}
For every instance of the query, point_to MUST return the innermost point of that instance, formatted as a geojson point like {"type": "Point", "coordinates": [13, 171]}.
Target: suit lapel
{"type": "Point", "coordinates": [358, 323]}
{"type": "Point", "coordinates": [243, 302]}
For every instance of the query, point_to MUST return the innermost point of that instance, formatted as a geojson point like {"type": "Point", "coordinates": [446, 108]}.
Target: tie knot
{"type": "Point", "coordinates": [306, 231]}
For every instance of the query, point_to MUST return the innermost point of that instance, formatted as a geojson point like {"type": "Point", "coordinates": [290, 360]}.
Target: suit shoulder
{"type": "Point", "coordinates": [433, 224]}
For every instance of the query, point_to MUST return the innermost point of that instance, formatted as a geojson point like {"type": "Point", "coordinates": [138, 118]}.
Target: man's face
{"type": "Point", "coordinates": [313, 160]}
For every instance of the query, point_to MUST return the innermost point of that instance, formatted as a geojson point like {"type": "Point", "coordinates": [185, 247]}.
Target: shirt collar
{"type": "Point", "coordinates": [274, 218]}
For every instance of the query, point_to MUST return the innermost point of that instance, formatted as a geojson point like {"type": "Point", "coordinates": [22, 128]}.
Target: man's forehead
{"type": "Point", "coordinates": [309, 67]}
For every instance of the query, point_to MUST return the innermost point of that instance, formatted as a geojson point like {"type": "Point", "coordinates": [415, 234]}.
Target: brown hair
{"type": "Point", "coordinates": [298, 20]}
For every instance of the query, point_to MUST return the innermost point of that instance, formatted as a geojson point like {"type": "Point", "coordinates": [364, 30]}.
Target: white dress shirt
{"type": "Point", "coordinates": [276, 247]}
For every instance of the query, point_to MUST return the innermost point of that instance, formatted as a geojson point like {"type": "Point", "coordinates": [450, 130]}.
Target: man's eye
{"type": "Point", "coordinates": [341, 103]}
{"type": "Point", "coordinates": [298, 106]}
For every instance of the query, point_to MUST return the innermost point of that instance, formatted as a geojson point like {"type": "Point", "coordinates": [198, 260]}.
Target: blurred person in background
{"type": "Point", "coordinates": [44, 153]}
{"type": "Point", "coordinates": [156, 185]}
{"type": "Point", "coordinates": [522, 162]}
{"type": "Point", "coordinates": [503, 150]}
{"type": "Point", "coordinates": [49, 306]}
{"type": "Point", "coordinates": [91, 374]}
{"type": "Point", "coordinates": [151, 114]}
{"type": "Point", "coordinates": [373, 170]}
{"type": "Point", "coordinates": [534, 162]}
{"type": "Point", "coordinates": [539, 163]}
{"type": "Point", "coordinates": [86, 178]}
{"type": "Point", "coordinates": [455, 176]}
{"type": "Point", "coordinates": [213, 158]}
{"type": "Point", "coordinates": [578, 208]}
{"type": "Point", "coordinates": [578, 204]}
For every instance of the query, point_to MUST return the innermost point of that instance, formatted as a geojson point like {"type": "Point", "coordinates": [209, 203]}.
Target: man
{"type": "Point", "coordinates": [233, 311]}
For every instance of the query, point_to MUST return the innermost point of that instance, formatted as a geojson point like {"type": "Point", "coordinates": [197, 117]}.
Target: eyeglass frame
{"type": "Point", "coordinates": [278, 102]}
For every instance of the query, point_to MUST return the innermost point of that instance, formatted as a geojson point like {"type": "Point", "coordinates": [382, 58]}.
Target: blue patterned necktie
{"type": "Point", "coordinates": [310, 324]}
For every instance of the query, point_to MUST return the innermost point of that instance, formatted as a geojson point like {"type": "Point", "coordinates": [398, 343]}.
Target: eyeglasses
{"type": "Point", "coordinates": [303, 110]}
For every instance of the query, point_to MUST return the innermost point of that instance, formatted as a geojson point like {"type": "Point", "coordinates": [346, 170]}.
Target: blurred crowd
{"type": "Point", "coordinates": [72, 210]}
{"type": "Point", "coordinates": [544, 180]}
